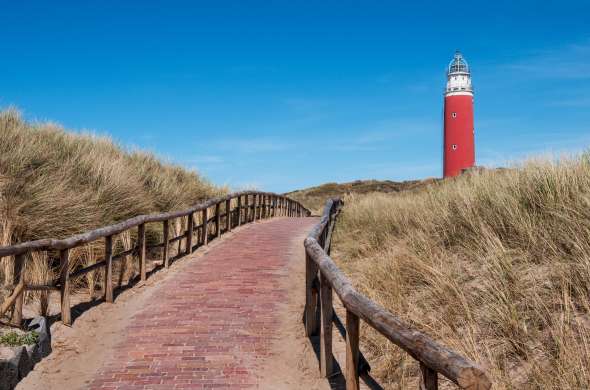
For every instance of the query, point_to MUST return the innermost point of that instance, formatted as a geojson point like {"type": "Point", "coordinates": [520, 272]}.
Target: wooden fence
{"type": "Point", "coordinates": [227, 212]}
{"type": "Point", "coordinates": [323, 276]}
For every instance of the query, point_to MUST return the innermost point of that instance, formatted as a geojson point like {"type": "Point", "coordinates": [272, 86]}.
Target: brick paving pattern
{"type": "Point", "coordinates": [211, 326]}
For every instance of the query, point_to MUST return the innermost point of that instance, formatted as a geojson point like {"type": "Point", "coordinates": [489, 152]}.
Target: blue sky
{"type": "Point", "coordinates": [286, 94]}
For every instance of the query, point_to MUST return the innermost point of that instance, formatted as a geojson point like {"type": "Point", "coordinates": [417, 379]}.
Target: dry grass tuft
{"type": "Point", "coordinates": [314, 198]}
{"type": "Point", "coordinates": [494, 264]}
{"type": "Point", "coordinates": [54, 184]}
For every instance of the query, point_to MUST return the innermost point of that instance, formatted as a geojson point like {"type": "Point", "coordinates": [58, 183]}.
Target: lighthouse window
{"type": "Point", "coordinates": [454, 114]}
{"type": "Point", "coordinates": [454, 146]}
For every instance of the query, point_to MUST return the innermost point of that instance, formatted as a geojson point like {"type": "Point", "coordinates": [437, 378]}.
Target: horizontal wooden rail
{"type": "Point", "coordinates": [433, 357]}
{"type": "Point", "coordinates": [84, 238]}
{"type": "Point", "coordinates": [256, 205]}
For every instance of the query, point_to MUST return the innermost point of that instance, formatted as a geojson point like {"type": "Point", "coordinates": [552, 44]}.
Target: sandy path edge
{"type": "Point", "coordinates": [79, 351]}
{"type": "Point", "coordinates": [293, 364]}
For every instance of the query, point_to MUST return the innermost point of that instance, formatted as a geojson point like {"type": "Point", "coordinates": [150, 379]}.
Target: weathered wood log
{"type": "Point", "coordinates": [352, 351]}
{"type": "Point", "coordinates": [8, 303]}
{"type": "Point", "coordinates": [466, 374]}
{"type": "Point", "coordinates": [311, 271]}
{"type": "Point", "coordinates": [189, 234]}
{"type": "Point", "coordinates": [141, 245]}
{"type": "Point", "coordinates": [255, 207]}
{"type": "Point", "coordinates": [90, 268]}
{"type": "Point", "coordinates": [93, 235]}
{"type": "Point", "coordinates": [327, 313]}
{"type": "Point", "coordinates": [364, 366]}
{"type": "Point", "coordinates": [205, 226]}
{"type": "Point", "coordinates": [64, 265]}
{"type": "Point", "coordinates": [122, 255]}
{"type": "Point", "coordinates": [239, 213]}
{"type": "Point", "coordinates": [433, 357]}
{"type": "Point", "coordinates": [18, 278]}
{"type": "Point", "coordinates": [246, 209]}
{"type": "Point", "coordinates": [108, 256]}
{"type": "Point", "coordinates": [41, 287]}
{"type": "Point", "coordinates": [429, 378]}
{"type": "Point", "coordinates": [166, 243]}
{"type": "Point", "coordinates": [228, 215]}
{"type": "Point", "coordinates": [217, 220]}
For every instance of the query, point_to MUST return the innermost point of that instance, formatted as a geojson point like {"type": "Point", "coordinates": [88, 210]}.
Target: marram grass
{"type": "Point", "coordinates": [55, 183]}
{"type": "Point", "coordinates": [494, 264]}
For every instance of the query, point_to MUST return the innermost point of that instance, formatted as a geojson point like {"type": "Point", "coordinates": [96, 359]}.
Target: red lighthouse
{"type": "Point", "coordinates": [458, 144]}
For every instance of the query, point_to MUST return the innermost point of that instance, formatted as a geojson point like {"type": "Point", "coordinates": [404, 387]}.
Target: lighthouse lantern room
{"type": "Point", "coordinates": [458, 143]}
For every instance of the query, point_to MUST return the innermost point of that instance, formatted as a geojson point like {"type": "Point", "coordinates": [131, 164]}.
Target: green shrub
{"type": "Point", "coordinates": [14, 339]}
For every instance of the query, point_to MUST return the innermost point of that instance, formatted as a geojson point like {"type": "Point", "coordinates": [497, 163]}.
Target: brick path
{"type": "Point", "coordinates": [212, 325]}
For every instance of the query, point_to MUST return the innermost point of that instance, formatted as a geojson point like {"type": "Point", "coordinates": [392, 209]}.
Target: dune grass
{"type": "Point", "coordinates": [494, 264]}
{"type": "Point", "coordinates": [55, 183]}
{"type": "Point", "coordinates": [314, 198]}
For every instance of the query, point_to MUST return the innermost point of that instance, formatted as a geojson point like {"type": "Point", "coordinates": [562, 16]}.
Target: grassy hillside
{"type": "Point", "coordinates": [495, 264]}
{"type": "Point", "coordinates": [314, 198]}
{"type": "Point", "coordinates": [54, 184]}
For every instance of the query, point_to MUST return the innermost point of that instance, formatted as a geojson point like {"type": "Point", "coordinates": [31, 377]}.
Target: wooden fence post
{"type": "Point", "coordinates": [166, 249]}
{"type": "Point", "coordinates": [239, 211]}
{"type": "Point", "coordinates": [246, 208]}
{"type": "Point", "coordinates": [311, 271]}
{"type": "Point", "coordinates": [141, 248]}
{"type": "Point", "coordinates": [429, 378]}
{"type": "Point", "coordinates": [352, 351]}
{"type": "Point", "coordinates": [189, 234]}
{"type": "Point", "coordinates": [228, 215]}
{"type": "Point", "coordinates": [108, 256]}
{"type": "Point", "coordinates": [205, 228]}
{"type": "Point", "coordinates": [16, 318]}
{"type": "Point", "coordinates": [217, 219]}
{"type": "Point", "coordinates": [254, 198]}
{"type": "Point", "coordinates": [327, 312]}
{"type": "Point", "coordinates": [64, 270]}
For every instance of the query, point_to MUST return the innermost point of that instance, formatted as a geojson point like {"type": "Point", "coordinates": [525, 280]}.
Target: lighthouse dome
{"type": "Point", "coordinates": [458, 64]}
{"type": "Point", "coordinates": [458, 77]}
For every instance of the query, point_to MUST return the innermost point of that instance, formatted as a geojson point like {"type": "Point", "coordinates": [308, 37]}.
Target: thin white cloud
{"type": "Point", "coordinates": [567, 62]}
{"type": "Point", "coordinates": [578, 102]}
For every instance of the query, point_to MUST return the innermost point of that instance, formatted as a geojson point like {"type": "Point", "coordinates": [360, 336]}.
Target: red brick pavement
{"type": "Point", "coordinates": [212, 325]}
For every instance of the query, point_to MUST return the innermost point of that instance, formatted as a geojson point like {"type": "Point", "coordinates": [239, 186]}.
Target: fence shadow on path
{"type": "Point", "coordinates": [337, 380]}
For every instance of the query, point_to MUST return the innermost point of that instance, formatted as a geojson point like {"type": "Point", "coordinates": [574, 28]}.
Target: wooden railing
{"type": "Point", "coordinates": [323, 276]}
{"type": "Point", "coordinates": [228, 211]}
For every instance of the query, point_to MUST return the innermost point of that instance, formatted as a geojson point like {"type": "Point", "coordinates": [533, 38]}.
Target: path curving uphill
{"type": "Point", "coordinates": [222, 318]}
